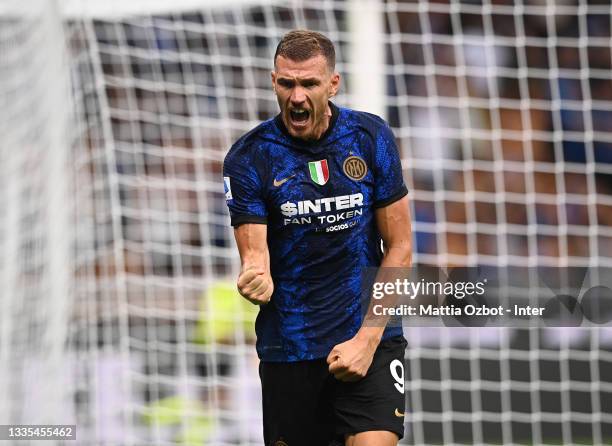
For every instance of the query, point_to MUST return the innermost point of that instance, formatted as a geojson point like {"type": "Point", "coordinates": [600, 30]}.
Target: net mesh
{"type": "Point", "coordinates": [503, 115]}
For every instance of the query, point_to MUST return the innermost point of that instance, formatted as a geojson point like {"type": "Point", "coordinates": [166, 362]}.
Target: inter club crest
{"type": "Point", "coordinates": [319, 171]}
{"type": "Point", "coordinates": [355, 168]}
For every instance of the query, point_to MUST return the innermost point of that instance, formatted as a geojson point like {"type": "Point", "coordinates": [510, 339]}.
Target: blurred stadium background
{"type": "Point", "coordinates": [118, 310]}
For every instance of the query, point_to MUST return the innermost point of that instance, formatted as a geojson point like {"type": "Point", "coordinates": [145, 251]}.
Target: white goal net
{"type": "Point", "coordinates": [118, 310]}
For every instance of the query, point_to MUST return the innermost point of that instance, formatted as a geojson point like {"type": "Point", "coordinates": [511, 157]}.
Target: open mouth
{"type": "Point", "coordinates": [299, 116]}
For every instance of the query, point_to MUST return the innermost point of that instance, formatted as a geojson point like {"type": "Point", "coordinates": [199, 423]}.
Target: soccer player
{"type": "Point", "coordinates": [311, 193]}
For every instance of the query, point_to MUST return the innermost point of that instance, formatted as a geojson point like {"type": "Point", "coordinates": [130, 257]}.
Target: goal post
{"type": "Point", "coordinates": [37, 220]}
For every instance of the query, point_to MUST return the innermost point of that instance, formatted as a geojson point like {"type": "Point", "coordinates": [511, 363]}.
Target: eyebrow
{"type": "Point", "coordinates": [307, 80]}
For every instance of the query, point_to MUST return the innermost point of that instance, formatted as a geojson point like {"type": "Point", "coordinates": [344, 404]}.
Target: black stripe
{"type": "Point", "coordinates": [393, 198]}
{"type": "Point", "coordinates": [238, 220]}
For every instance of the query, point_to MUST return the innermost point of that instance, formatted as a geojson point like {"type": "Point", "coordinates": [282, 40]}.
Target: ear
{"type": "Point", "coordinates": [273, 77]}
{"type": "Point", "coordinates": [334, 84]}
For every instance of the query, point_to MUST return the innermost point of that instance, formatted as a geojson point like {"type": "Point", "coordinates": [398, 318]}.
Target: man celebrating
{"type": "Point", "coordinates": [311, 193]}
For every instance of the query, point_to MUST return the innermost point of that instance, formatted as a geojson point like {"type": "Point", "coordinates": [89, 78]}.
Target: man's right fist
{"type": "Point", "coordinates": [255, 285]}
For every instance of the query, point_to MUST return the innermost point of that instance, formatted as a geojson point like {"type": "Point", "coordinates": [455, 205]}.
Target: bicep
{"type": "Point", "coordinates": [393, 223]}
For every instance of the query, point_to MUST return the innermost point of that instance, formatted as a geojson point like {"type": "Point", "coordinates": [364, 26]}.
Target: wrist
{"type": "Point", "coordinates": [371, 335]}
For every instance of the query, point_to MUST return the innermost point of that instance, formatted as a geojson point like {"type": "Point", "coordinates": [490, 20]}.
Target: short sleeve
{"type": "Point", "coordinates": [243, 189]}
{"type": "Point", "coordinates": [389, 183]}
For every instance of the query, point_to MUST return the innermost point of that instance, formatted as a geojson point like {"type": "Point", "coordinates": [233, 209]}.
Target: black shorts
{"type": "Point", "coordinates": [304, 405]}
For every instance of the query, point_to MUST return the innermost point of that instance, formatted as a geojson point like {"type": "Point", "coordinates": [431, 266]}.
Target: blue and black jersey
{"type": "Point", "coordinates": [318, 201]}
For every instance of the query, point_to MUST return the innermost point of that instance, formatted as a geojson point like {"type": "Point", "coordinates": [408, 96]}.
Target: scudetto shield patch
{"type": "Point", "coordinates": [319, 171]}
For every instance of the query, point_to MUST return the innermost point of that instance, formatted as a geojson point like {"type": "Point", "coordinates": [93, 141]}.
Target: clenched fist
{"type": "Point", "coordinates": [350, 360]}
{"type": "Point", "coordinates": [255, 285]}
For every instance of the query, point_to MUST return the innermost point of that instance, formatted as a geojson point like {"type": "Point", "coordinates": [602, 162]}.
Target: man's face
{"type": "Point", "coordinates": [303, 89]}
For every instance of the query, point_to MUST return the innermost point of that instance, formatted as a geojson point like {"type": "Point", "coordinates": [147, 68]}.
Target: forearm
{"type": "Point", "coordinates": [255, 259]}
{"type": "Point", "coordinates": [394, 265]}
{"type": "Point", "coordinates": [252, 247]}
{"type": "Point", "coordinates": [394, 225]}
{"type": "Point", "coordinates": [255, 281]}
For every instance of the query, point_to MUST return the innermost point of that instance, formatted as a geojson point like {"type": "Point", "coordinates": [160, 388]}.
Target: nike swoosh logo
{"type": "Point", "coordinates": [277, 183]}
{"type": "Point", "coordinates": [398, 413]}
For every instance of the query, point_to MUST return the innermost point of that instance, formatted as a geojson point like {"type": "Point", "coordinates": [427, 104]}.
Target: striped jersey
{"type": "Point", "coordinates": [318, 200]}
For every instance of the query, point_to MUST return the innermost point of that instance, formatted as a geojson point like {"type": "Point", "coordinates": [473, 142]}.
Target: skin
{"type": "Point", "coordinates": [308, 85]}
{"type": "Point", "coordinates": [254, 282]}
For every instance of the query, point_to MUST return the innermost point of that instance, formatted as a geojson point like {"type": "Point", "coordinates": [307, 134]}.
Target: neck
{"type": "Point", "coordinates": [324, 123]}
